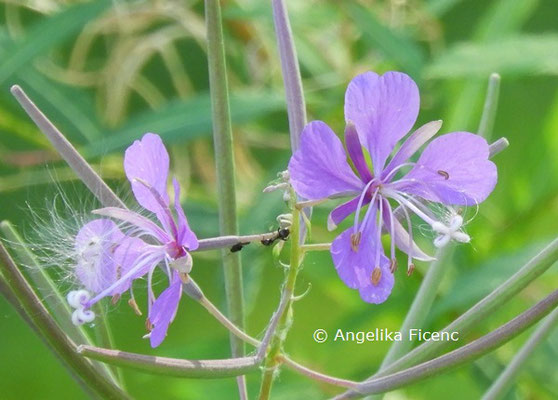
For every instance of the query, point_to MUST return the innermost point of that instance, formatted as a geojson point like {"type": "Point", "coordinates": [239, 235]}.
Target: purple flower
{"type": "Point", "coordinates": [109, 260]}
{"type": "Point", "coordinates": [453, 170]}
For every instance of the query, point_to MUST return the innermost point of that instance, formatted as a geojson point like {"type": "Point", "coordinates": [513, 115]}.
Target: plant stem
{"type": "Point", "coordinates": [488, 117]}
{"type": "Point", "coordinates": [201, 369]}
{"type": "Point", "coordinates": [68, 152]}
{"type": "Point", "coordinates": [316, 247]}
{"type": "Point", "coordinates": [296, 107]}
{"type": "Point", "coordinates": [224, 159]}
{"type": "Point", "coordinates": [318, 376]}
{"type": "Point", "coordinates": [505, 380]}
{"type": "Point", "coordinates": [284, 312]}
{"type": "Point", "coordinates": [221, 242]}
{"type": "Point", "coordinates": [61, 344]}
{"type": "Point", "coordinates": [197, 295]}
{"type": "Point", "coordinates": [458, 357]}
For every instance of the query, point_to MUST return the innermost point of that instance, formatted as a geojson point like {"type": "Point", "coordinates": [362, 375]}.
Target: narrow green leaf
{"type": "Point", "coordinates": [520, 55]}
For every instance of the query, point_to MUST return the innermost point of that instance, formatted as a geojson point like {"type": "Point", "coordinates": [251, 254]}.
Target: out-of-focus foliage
{"type": "Point", "coordinates": [107, 71]}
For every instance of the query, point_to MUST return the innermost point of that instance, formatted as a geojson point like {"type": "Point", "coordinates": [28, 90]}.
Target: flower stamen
{"type": "Point", "coordinates": [355, 241]}
{"type": "Point", "coordinates": [376, 276]}
{"type": "Point", "coordinates": [132, 303]}
{"type": "Point", "coordinates": [444, 174]}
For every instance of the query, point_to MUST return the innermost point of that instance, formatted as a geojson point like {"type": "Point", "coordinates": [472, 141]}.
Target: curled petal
{"type": "Point", "coordinates": [186, 237]}
{"type": "Point", "coordinates": [383, 109]}
{"type": "Point", "coordinates": [147, 160]}
{"type": "Point", "coordinates": [164, 310]}
{"type": "Point", "coordinates": [453, 169]}
{"type": "Point", "coordinates": [319, 168]}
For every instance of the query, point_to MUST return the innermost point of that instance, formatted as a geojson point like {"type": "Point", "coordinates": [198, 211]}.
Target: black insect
{"type": "Point", "coordinates": [281, 234]}
{"type": "Point", "coordinates": [238, 246]}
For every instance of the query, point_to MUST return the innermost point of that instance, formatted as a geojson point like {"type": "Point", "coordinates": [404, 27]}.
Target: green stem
{"type": "Point", "coordinates": [488, 117]}
{"type": "Point", "coordinates": [316, 247]}
{"type": "Point", "coordinates": [505, 380]}
{"type": "Point", "coordinates": [284, 314]}
{"type": "Point", "coordinates": [58, 341]}
{"type": "Point", "coordinates": [224, 159]}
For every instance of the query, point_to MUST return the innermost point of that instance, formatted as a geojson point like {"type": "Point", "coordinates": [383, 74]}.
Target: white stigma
{"type": "Point", "coordinates": [451, 231]}
{"type": "Point", "coordinates": [77, 299]}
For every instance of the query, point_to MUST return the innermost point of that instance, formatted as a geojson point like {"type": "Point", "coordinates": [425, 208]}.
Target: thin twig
{"type": "Point", "coordinates": [88, 176]}
{"type": "Point", "coordinates": [318, 375]}
{"type": "Point", "coordinates": [172, 366]}
{"type": "Point", "coordinates": [221, 242]}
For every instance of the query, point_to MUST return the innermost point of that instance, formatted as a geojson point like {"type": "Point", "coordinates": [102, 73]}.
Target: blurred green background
{"type": "Point", "coordinates": [106, 72]}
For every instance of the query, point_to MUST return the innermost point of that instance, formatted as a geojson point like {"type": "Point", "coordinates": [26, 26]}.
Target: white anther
{"type": "Point", "coordinates": [286, 196]}
{"type": "Point", "coordinates": [461, 237]}
{"type": "Point", "coordinates": [284, 175]}
{"type": "Point", "coordinates": [182, 264]}
{"type": "Point", "coordinates": [76, 298]}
